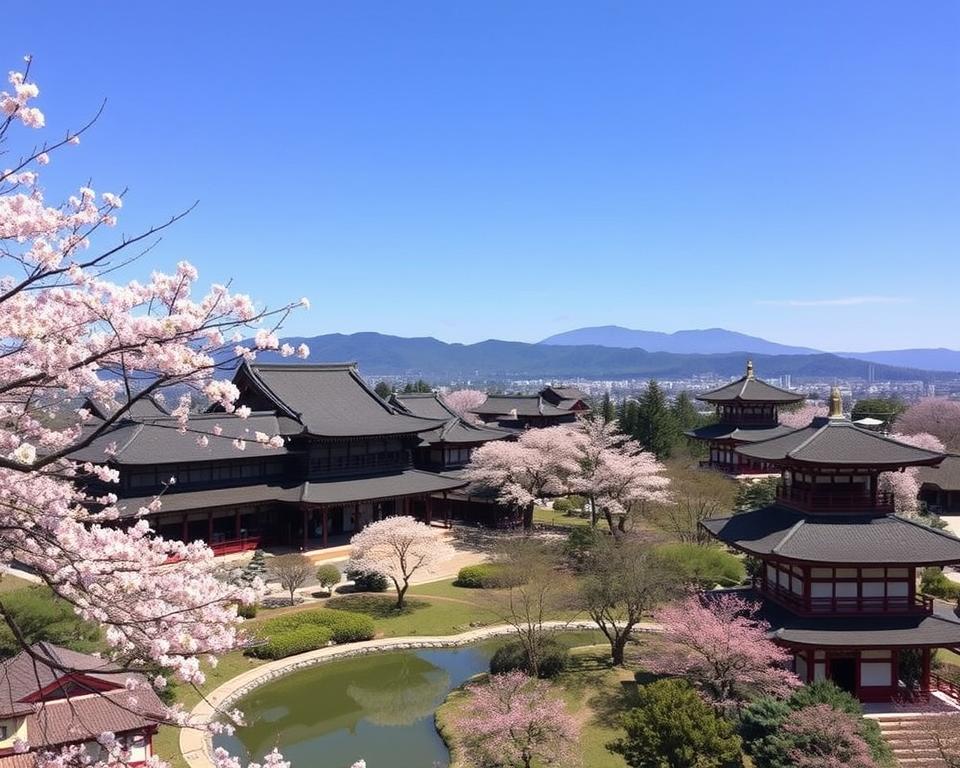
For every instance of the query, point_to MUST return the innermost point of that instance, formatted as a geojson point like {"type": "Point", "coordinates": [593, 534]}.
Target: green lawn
{"type": "Point", "coordinates": [420, 616]}
{"type": "Point", "coordinates": [547, 516]}
{"type": "Point", "coordinates": [9, 582]}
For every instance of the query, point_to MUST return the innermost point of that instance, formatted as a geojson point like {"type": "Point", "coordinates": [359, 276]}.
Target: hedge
{"type": "Point", "coordinates": [279, 645]}
{"type": "Point", "coordinates": [368, 582]}
{"type": "Point", "coordinates": [934, 582]}
{"type": "Point", "coordinates": [554, 658]}
{"type": "Point", "coordinates": [483, 576]}
{"type": "Point", "coordinates": [344, 626]}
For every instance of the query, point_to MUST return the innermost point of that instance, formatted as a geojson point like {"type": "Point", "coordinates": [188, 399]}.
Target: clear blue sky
{"type": "Point", "coordinates": [471, 170]}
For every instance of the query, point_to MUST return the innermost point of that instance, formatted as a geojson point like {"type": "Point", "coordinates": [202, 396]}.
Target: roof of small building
{"type": "Point", "coordinates": [330, 400]}
{"type": "Point", "coordinates": [454, 430]}
{"type": "Point", "coordinates": [147, 407]}
{"type": "Point", "coordinates": [565, 398]}
{"type": "Point", "coordinates": [749, 389]}
{"type": "Point", "coordinates": [940, 629]}
{"type": "Point", "coordinates": [780, 532]}
{"type": "Point", "coordinates": [524, 405]}
{"type": "Point", "coordinates": [738, 434]}
{"type": "Point", "coordinates": [946, 477]}
{"type": "Point", "coordinates": [160, 440]}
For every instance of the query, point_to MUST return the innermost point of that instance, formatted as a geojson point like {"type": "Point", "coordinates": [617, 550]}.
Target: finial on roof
{"type": "Point", "coordinates": [836, 404]}
{"type": "Point", "coordinates": [749, 369]}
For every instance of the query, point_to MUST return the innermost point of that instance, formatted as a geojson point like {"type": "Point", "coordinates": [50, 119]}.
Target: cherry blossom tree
{"type": "Point", "coordinates": [68, 332]}
{"type": "Point", "coordinates": [397, 548]}
{"type": "Point", "coordinates": [461, 401]}
{"type": "Point", "coordinates": [938, 416]}
{"type": "Point", "coordinates": [826, 738]}
{"type": "Point", "coordinates": [802, 416]}
{"type": "Point", "coordinates": [905, 485]}
{"type": "Point", "coordinates": [615, 474]}
{"type": "Point", "coordinates": [718, 642]}
{"type": "Point", "coordinates": [512, 720]}
{"type": "Point", "coordinates": [537, 465]}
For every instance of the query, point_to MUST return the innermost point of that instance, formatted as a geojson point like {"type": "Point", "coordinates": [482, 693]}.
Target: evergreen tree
{"type": "Point", "coordinates": [607, 412]}
{"type": "Point", "coordinates": [884, 408]}
{"type": "Point", "coordinates": [383, 389]}
{"type": "Point", "coordinates": [627, 416]}
{"type": "Point", "coordinates": [657, 429]}
{"type": "Point", "coordinates": [685, 412]}
{"type": "Point", "coordinates": [416, 387]}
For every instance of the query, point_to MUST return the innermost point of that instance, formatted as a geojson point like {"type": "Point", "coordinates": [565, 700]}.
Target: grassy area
{"type": "Point", "coordinates": [949, 657]}
{"type": "Point", "coordinates": [420, 616]}
{"type": "Point", "coordinates": [547, 516]}
{"type": "Point", "coordinates": [9, 582]}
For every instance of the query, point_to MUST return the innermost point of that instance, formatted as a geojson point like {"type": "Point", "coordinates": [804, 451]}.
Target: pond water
{"type": "Point", "coordinates": [377, 707]}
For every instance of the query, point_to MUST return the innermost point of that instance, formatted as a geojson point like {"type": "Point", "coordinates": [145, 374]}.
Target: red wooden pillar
{"type": "Point", "coordinates": [323, 522]}
{"type": "Point", "coordinates": [185, 530]}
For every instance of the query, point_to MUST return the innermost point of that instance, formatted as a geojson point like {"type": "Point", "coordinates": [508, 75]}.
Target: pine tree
{"type": "Point", "coordinates": [656, 429]}
{"type": "Point", "coordinates": [685, 412]}
{"type": "Point", "coordinates": [607, 411]}
{"type": "Point", "coordinates": [383, 389]}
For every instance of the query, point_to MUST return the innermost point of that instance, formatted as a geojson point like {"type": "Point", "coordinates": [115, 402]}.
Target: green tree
{"type": "Point", "coordinates": [383, 389]}
{"type": "Point", "coordinates": [606, 411]}
{"type": "Point", "coordinates": [703, 566]}
{"type": "Point", "coordinates": [672, 727]}
{"type": "Point", "coordinates": [657, 428]}
{"type": "Point", "coordinates": [756, 494]}
{"type": "Point", "coordinates": [417, 386]}
{"type": "Point", "coordinates": [685, 412]}
{"type": "Point", "coordinates": [628, 415]}
{"type": "Point", "coordinates": [884, 408]}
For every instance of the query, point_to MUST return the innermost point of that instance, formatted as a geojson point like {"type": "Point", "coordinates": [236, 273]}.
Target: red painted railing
{"type": "Point", "coordinates": [944, 685]}
{"type": "Point", "coordinates": [233, 546]}
{"type": "Point", "coordinates": [835, 499]}
{"type": "Point", "coordinates": [844, 606]}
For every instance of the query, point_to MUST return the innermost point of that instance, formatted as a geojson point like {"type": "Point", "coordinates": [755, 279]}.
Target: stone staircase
{"type": "Point", "coordinates": [910, 738]}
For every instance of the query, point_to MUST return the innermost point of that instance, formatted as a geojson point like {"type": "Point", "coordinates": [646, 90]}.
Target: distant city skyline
{"type": "Point", "coordinates": [492, 170]}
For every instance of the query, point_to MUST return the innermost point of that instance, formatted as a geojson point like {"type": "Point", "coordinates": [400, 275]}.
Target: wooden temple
{"type": "Point", "coordinates": [838, 569]}
{"type": "Point", "coordinates": [748, 412]}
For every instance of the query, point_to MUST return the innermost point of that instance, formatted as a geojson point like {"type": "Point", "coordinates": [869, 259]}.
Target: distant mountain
{"type": "Point", "coordinates": [379, 354]}
{"type": "Point", "coordinates": [708, 341]}
{"type": "Point", "coordinates": [939, 359]}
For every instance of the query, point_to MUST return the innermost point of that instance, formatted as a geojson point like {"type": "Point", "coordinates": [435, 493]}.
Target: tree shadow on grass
{"type": "Point", "coordinates": [376, 606]}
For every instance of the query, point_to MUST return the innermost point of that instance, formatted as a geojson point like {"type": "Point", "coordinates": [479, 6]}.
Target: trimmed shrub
{"type": "Point", "coordinates": [279, 645]}
{"type": "Point", "coordinates": [934, 582]}
{"type": "Point", "coordinates": [705, 567]}
{"type": "Point", "coordinates": [247, 611]}
{"type": "Point", "coordinates": [483, 576]}
{"type": "Point", "coordinates": [554, 659]}
{"type": "Point", "coordinates": [344, 626]}
{"type": "Point", "coordinates": [368, 582]}
{"type": "Point", "coordinates": [328, 576]}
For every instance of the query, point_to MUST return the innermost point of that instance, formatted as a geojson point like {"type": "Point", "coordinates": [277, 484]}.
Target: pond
{"type": "Point", "coordinates": [378, 707]}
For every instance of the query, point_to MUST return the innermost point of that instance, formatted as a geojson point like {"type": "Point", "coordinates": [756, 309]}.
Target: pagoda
{"type": "Point", "coordinates": [838, 569]}
{"type": "Point", "coordinates": [748, 413]}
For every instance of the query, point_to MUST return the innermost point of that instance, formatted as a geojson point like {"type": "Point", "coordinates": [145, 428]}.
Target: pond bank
{"type": "Point", "coordinates": [196, 746]}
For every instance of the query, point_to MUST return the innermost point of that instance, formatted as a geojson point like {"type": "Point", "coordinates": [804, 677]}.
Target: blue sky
{"type": "Point", "coordinates": [509, 170]}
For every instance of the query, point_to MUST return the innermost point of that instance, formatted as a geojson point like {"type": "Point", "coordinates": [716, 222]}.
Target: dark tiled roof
{"type": "Point", "coordinates": [410, 482]}
{"type": "Point", "coordinates": [946, 477]}
{"type": "Point", "coordinates": [738, 434]}
{"type": "Point", "coordinates": [748, 389]}
{"type": "Point", "coordinates": [159, 441]}
{"type": "Point", "coordinates": [330, 400]}
{"type": "Point", "coordinates": [454, 430]}
{"type": "Point", "coordinates": [524, 405]}
{"type": "Point", "coordinates": [564, 398]}
{"type": "Point", "coordinates": [942, 629]}
{"type": "Point", "coordinates": [142, 409]}
{"type": "Point", "coordinates": [857, 539]}
{"type": "Point", "coordinates": [184, 501]}
{"type": "Point", "coordinates": [833, 441]}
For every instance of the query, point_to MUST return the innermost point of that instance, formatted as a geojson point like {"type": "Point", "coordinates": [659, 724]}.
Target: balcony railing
{"type": "Point", "coordinates": [233, 546]}
{"type": "Point", "coordinates": [841, 606]}
{"type": "Point", "coordinates": [942, 684]}
{"type": "Point", "coordinates": [834, 499]}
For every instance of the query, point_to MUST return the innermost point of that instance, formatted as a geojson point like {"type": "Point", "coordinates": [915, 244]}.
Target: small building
{"type": "Point", "coordinates": [449, 445]}
{"type": "Point", "coordinates": [52, 697]}
{"type": "Point", "coordinates": [940, 486]}
{"type": "Point", "coordinates": [748, 412]}
{"type": "Point", "coordinates": [522, 412]}
{"type": "Point", "coordinates": [566, 399]}
{"type": "Point", "coordinates": [838, 573]}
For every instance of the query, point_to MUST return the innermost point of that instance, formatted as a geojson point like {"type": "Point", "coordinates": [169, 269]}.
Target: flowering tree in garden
{"type": "Point", "coordinates": [717, 641]}
{"type": "Point", "coordinates": [397, 548]}
{"type": "Point", "coordinates": [513, 721]}
{"type": "Point", "coordinates": [462, 401]}
{"type": "Point", "coordinates": [905, 485]}
{"type": "Point", "coordinates": [937, 416]}
{"type": "Point", "coordinates": [67, 332]}
{"type": "Point", "coordinates": [615, 474]}
{"type": "Point", "coordinates": [822, 737]}
{"type": "Point", "coordinates": [537, 465]}
{"type": "Point", "coordinates": [802, 416]}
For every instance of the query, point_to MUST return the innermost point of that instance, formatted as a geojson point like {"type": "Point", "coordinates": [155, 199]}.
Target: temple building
{"type": "Point", "coordinates": [347, 458]}
{"type": "Point", "coordinates": [53, 697]}
{"type": "Point", "coordinates": [747, 411]}
{"type": "Point", "coordinates": [838, 570]}
{"type": "Point", "coordinates": [566, 398]}
{"type": "Point", "coordinates": [522, 412]}
{"type": "Point", "coordinates": [940, 486]}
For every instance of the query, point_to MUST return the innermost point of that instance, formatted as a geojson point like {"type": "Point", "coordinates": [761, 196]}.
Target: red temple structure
{"type": "Point", "coordinates": [748, 413]}
{"type": "Point", "coordinates": [838, 573]}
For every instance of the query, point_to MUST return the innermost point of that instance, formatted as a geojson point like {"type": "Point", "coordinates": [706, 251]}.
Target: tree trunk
{"type": "Point", "coordinates": [593, 512]}
{"type": "Point", "coordinates": [292, 597]}
{"type": "Point", "coordinates": [401, 591]}
{"type": "Point", "coordinates": [614, 529]}
{"type": "Point", "coordinates": [618, 647]}
{"type": "Point", "coordinates": [528, 517]}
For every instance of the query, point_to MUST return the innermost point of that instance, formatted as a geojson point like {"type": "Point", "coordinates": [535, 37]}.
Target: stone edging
{"type": "Point", "coordinates": [196, 746]}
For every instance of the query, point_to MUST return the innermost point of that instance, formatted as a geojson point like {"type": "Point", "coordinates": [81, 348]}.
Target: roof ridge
{"type": "Point", "coordinates": [254, 374]}
{"type": "Point", "coordinates": [940, 532]}
{"type": "Point", "coordinates": [793, 529]}
{"type": "Point", "coordinates": [805, 443]}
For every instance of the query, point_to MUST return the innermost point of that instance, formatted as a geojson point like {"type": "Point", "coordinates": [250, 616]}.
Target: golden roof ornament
{"type": "Point", "coordinates": [749, 369]}
{"type": "Point", "coordinates": [836, 404]}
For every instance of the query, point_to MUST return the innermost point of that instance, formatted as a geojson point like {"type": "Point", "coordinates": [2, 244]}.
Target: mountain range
{"type": "Point", "coordinates": [719, 340]}
{"type": "Point", "coordinates": [380, 354]}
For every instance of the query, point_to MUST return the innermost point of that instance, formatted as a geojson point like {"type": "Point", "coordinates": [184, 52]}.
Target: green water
{"type": "Point", "coordinates": [378, 707]}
